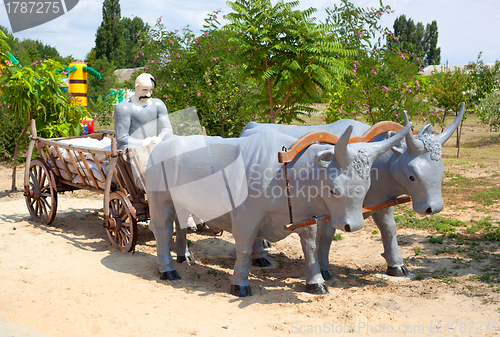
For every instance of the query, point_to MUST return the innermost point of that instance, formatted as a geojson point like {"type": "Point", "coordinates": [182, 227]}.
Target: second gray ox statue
{"type": "Point", "coordinates": [339, 177]}
{"type": "Point", "coordinates": [414, 167]}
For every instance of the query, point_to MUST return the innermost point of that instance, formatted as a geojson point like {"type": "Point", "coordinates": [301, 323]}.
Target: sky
{"type": "Point", "coordinates": [465, 27]}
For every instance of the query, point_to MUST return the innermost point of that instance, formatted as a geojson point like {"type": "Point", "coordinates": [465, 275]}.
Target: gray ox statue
{"type": "Point", "coordinates": [414, 167]}
{"type": "Point", "coordinates": [325, 180]}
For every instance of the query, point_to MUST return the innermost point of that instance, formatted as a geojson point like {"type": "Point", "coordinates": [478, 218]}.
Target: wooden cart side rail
{"type": "Point", "coordinates": [77, 157]}
{"type": "Point", "coordinates": [99, 166]}
{"type": "Point", "coordinates": [128, 179]}
{"type": "Point", "coordinates": [53, 160]}
{"type": "Point", "coordinates": [118, 177]}
{"type": "Point", "coordinates": [98, 136]}
{"type": "Point", "coordinates": [88, 172]}
{"type": "Point", "coordinates": [70, 147]}
{"type": "Point", "coordinates": [326, 137]}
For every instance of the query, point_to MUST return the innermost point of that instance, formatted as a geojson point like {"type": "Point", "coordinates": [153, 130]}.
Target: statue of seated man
{"type": "Point", "coordinates": [141, 120]}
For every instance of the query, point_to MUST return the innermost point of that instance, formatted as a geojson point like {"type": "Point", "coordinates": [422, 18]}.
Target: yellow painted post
{"type": "Point", "coordinates": [78, 83]}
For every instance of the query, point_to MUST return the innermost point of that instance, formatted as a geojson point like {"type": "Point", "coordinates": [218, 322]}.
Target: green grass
{"type": "Point", "coordinates": [434, 223]}
{"type": "Point", "coordinates": [338, 237]}
{"type": "Point", "coordinates": [435, 240]}
{"type": "Point", "coordinates": [487, 197]}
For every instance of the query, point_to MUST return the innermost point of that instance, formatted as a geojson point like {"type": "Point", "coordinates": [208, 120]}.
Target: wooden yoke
{"type": "Point", "coordinates": [326, 137]}
{"type": "Point", "coordinates": [287, 155]}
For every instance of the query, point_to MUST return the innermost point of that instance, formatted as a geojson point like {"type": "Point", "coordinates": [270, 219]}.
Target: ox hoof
{"type": "Point", "coordinates": [240, 291]}
{"type": "Point", "coordinates": [261, 262]}
{"type": "Point", "coordinates": [400, 271]}
{"type": "Point", "coordinates": [317, 288]}
{"type": "Point", "coordinates": [266, 244]}
{"type": "Point", "coordinates": [326, 275]}
{"type": "Point", "coordinates": [188, 258]}
{"type": "Point", "coordinates": [170, 276]}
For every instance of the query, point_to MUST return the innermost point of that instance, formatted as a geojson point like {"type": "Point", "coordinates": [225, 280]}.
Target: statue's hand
{"type": "Point", "coordinates": [155, 140]}
{"type": "Point", "coordinates": [146, 141]}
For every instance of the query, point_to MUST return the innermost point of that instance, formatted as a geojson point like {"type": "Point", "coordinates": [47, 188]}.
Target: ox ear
{"type": "Point", "coordinates": [324, 158]}
{"type": "Point", "coordinates": [379, 148]}
{"type": "Point", "coordinates": [426, 129]}
{"type": "Point", "coordinates": [398, 149]}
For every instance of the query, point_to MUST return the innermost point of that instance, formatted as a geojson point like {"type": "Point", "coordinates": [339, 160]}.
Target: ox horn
{"type": "Point", "coordinates": [342, 154]}
{"type": "Point", "coordinates": [415, 146]}
{"type": "Point", "coordinates": [446, 134]}
{"type": "Point", "coordinates": [385, 145]}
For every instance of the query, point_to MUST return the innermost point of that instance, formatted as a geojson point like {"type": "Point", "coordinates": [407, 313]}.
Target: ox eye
{"type": "Point", "coordinates": [332, 192]}
{"type": "Point", "coordinates": [412, 178]}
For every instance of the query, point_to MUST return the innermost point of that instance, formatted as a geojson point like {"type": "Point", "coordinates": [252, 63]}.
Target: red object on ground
{"type": "Point", "coordinates": [89, 122]}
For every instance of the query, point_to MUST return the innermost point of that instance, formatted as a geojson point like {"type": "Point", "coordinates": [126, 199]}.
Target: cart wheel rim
{"type": "Point", "coordinates": [41, 193]}
{"type": "Point", "coordinates": [123, 234]}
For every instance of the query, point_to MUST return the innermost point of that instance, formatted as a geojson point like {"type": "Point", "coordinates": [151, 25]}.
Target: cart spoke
{"type": "Point", "coordinates": [123, 237]}
{"type": "Point", "coordinates": [124, 218]}
{"type": "Point", "coordinates": [39, 175]}
{"type": "Point", "coordinates": [43, 209]}
{"type": "Point", "coordinates": [45, 204]}
{"type": "Point", "coordinates": [33, 176]}
{"type": "Point", "coordinates": [114, 207]}
{"type": "Point", "coordinates": [44, 188]}
{"type": "Point", "coordinates": [43, 177]}
{"type": "Point", "coordinates": [37, 205]}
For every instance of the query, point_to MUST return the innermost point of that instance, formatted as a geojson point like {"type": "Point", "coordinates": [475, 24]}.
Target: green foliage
{"type": "Point", "coordinates": [132, 29]}
{"type": "Point", "coordinates": [202, 72]}
{"type": "Point", "coordinates": [28, 51]}
{"type": "Point", "coordinates": [101, 103]}
{"type": "Point", "coordinates": [449, 89]}
{"type": "Point", "coordinates": [489, 110]}
{"type": "Point", "coordinates": [413, 38]}
{"type": "Point", "coordinates": [292, 58]}
{"type": "Point", "coordinates": [109, 38]}
{"type": "Point", "coordinates": [384, 81]}
{"type": "Point", "coordinates": [486, 89]}
{"type": "Point", "coordinates": [357, 26]}
{"type": "Point", "coordinates": [34, 92]}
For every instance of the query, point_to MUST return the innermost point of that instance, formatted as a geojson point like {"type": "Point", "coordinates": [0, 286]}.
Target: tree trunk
{"type": "Point", "coordinates": [444, 116]}
{"type": "Point", "coordinates": [16, 150]}
{"type": "Point", "coordinates": [273, 117]}
{"type": "Point", "coordinates": [459, 134]}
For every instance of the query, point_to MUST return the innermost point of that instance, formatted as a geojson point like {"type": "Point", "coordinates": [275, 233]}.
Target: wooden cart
{"type": "Point", "coordinates": [64, 167]}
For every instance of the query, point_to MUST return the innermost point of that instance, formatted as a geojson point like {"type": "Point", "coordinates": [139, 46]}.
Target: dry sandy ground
{"type": "Point", "coordinates": [66, 280]}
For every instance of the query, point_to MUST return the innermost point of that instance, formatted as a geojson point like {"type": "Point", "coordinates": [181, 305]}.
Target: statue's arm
{"type": "Point", "coordinates": [163, 121]}
{"type": "Point", "coordinates": [122, 128]}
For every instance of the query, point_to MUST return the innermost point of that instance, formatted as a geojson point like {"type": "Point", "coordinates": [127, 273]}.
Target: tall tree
{"type": "Point", "coordinates": [433, 53]}
{"type": "Point", "coordinates": [109, 40]}
{"type": "Point", "coordinates": [101, 102]}
{"type": "Point", "coordinates": [132, 30]}
{"type": "Point", "coordinates": [287, 52]}
{"type": "Point", "coordinates": [413, 38]}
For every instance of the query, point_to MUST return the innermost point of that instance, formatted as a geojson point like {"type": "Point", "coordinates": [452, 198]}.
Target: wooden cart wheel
{"type": "Point", "coordinates": [121, 225]}
{"type": "Point", "coordinates": [41, 193]}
